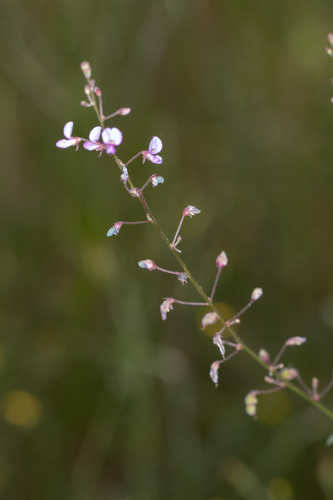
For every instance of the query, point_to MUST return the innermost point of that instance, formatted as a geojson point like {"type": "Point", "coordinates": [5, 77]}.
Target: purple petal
{"type": "Point", "coordinates": [90, 146]}
{"type": "Point", "coordinates": [110, 150]}
{"type": "Point", "coordinates": [155, 145]}
{"type": "Point", "coordinates": [112, 136]}
{"type": "Point", "coordinates": [68, 130]}
{"type": "Point", "coordinates": [95, 134]}
{"type": "Point", "coordinates": [155, 159]}
{"type": "Point", "coordinates": [65, 143]}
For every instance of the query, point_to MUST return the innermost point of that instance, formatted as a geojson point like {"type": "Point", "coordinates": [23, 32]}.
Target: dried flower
{"type": "Point", "coordinates": [222, 260]}
{"type": "Point", "coordinates": [209, 319]}
{"type": "Point", "coordinates": [156, 180]}
{"type": "Point", "coordinates": [69, 139]}
{"type": "Point", "coordinates": [155, 146]}
{"type": "Point", "coordinates": [214, 372]}
{"type": "Point", "coordinates": [256, 294]}
{"type": "Point", "coordinates": [296, 341]}
{"type": "Point", "coordinates": [183, 278]}
{"type": "Point", "coordinates": [166, 306]}
{"type": "Point", "coordinates": [114, 230]}
{"type": "Point", "coordinates": [217, 340]}
{"type": "Point", "coordinates": [190, 210]}
{"type": "Point", "coordinates": [124, 175]}
{"type": "Point", "coordinates": [147, 264]}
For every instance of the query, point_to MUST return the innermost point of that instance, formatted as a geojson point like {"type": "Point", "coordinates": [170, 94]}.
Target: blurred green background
{"type": "Point", "coordinates": [98, 398]}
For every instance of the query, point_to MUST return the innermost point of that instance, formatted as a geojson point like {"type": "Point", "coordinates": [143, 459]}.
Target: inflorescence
{"type": "Point", "coordinates": [106, 140]}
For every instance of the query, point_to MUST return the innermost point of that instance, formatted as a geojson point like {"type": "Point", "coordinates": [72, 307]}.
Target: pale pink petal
{"type": "Point", "coordinates": [156, 159]}
{"type": "Point", "coordinates": [65, 143]}
{"type": "Point", "coordinates": [95, 134]}
{"type": "Point", "coordinates": [68, 130]}
{"type": "Point", "coordinates": [90, 146]}
{"type": "Point", "coordinates": [155, 145]}
{"type": "Point", "coordinates": [112, 136]}
{"type": "Point", "coordinates": [110, 149]}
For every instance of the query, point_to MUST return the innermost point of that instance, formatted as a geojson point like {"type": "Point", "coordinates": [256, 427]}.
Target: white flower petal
{"type": "Point", "coordinates": [155, 145]}
{"type": "Point", "coordinates": [65, 143]}
{"type": "Point", "coordinates": [95, 134]}
{"type": "Point", "coordinates": [90, 146]}
{"type": "Point", "coordinates": [68, 130]}
{"type": "Point", "coordinates": [112, 136]}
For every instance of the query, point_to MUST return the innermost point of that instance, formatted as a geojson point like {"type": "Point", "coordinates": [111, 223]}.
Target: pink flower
{"type": "Point", "coordinates": [93, 144]}
{"type": "Point", "coordinates": [112, 137]}
{"type": "Point", "coordinates": [69, 139]}
{"type": "Point", "coordinates": [155, 146]}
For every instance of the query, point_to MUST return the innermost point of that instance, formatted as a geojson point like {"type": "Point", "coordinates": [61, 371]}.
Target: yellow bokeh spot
{"type": "Point", "coordinates": [280, 489]}
{"type": "Point", "coordinates": [21, 408]}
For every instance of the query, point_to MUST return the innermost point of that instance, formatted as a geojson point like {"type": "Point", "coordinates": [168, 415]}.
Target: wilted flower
{"type": "Point", "coordinates": [256, 294]}
{"type": "Point", "coordinates": [190, 210]}
{"type": "Point", "coordinates": [214, 372]}
{"type": "Point", "coordinates": [147, 264]}
{"type": "Point", "coordinates": [217, 340]}
{"type": "Point", "coordinates": [114, 230]}
{"type": "Point", "coordinates": [222, 260]}
{"type": "Point", "coordinates": [296, 341]}
{"type": "Point", "coordinates": [183, 278]}
{"type": "Point", "coordinates": [166, 306]}
{"type": "Point", "coordinates": [124, 175]}
{"type": "Point", "coordinates": [155, 147]}
{"type": "Point", "coordinates": [209, 319]}
{"type": "Point", "coordinates": [70, 140]}
{"type": "Point", "coordinates": [156, 180]}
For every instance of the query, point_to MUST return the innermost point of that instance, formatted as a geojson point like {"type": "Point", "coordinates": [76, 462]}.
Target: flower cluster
{"type": "Point", "coordinates": [102, 139]}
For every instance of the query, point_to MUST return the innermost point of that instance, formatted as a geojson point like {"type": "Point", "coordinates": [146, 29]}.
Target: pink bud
{"type": "Point", "coordinates": [296, 341]}
{"type": "Point", "coordinates": [264, 356]}
{"type": "Point", "coordinates": [124, 111]}
{"type": "Point", "coordinates": [222, 260]}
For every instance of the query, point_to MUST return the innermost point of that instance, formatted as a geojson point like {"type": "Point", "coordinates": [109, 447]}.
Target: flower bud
{"type": "Point", "coordinates": [114, 230]}
{"type": "Point", "coordinates": [222, 260]}
{"type": "Point", "coordinates": [86, 69]}
{"type": "Point", "coordinates": [256, 294]}
{"type": "Point", "coordinates": [264, 356]}
{"type": "Point", "coordinates": [147, 264]}
{"type": "Point", "coordinates": [124, 111]}
{"type": "Point", "coordinates": [296, 341]}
